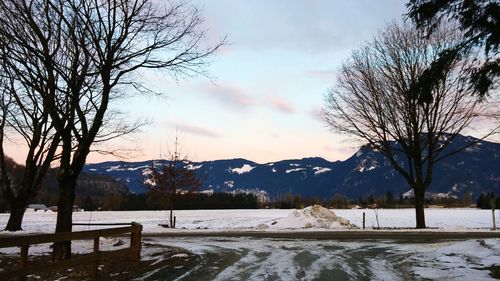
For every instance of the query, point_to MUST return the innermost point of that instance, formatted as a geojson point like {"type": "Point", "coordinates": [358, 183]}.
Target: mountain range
{"type": "Point", "coordinates": [474, 170]}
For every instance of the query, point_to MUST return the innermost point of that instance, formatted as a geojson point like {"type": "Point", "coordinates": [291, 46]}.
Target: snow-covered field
{"type": "Point", "coordinates": [245, 258]}
{"type": "Point", "coordinates": [263, 219]}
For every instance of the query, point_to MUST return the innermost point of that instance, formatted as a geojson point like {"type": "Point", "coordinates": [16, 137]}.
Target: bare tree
{"type": "Point", "coordinates": [174, 178]}
{"type": "Point", "coordinates": [373, 101]}
{"type": "Point", "coordinates": [88, 53]}
{"type": "Point", "coordinates": [22, 117]}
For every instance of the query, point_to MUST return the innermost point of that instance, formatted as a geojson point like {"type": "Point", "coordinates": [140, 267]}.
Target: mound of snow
{"type": "Point", "coordinates": [313, 217]}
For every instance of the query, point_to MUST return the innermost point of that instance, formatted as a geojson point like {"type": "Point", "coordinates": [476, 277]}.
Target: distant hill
{"type": "Point", "coordinates": [101, 188]}
{"type": "Point", "coordinates": [367, 172]}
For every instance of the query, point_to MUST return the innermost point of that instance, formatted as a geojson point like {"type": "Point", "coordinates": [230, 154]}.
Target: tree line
{"type": "Point", "coordinates": [386, 201]}
{"type": "Point", "coordinates": [192, 201]}
{"type": "Point", "coordinates": [209, 201]}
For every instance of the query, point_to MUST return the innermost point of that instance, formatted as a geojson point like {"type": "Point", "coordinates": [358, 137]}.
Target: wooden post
{"type": "Point", "coordinates": [23, 261]}
{"type": "Point", "coordinates": [175, 218]}
{"type": "Point", "coordinates": [136, 242]}
{"type": "Point", "coordinates": [493, 211]}
{"type": "Point", "coordinates": [494, 223]}
{"type": "Point", "coordinates": [363, 220]}
{"type": "Point", "coordinates": [96, 264]}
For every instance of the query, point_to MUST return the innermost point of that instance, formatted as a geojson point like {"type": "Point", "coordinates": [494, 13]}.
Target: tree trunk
{"type": "Point", "coordinates": [62, 250]}
{"type": "Point", "coordinates": [16, 217]}
{"type": "Point", "coordinates": [419, 207]}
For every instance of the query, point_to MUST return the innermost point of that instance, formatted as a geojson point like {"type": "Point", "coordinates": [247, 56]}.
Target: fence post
{"type": "Point", "coordinates": [363, 220]}
{"type": "Point", "coordinates": [23, 261]}
{"type": "Point", "coordinates": [493, 212]}
{"type": "Point", "coordinates": [136, 241]}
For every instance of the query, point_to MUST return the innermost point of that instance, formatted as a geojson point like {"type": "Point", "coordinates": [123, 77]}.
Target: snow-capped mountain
{"type": "Point", "coordinates": [367, 172]}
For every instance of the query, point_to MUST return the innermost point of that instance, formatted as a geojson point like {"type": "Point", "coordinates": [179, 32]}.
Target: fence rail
{"type": "Point", "coordinates": [25, 241]}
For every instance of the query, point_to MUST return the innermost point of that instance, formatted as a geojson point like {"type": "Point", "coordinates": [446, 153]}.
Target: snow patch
{"type": "Point", "coordinates": [295, 170]}
{"type": "Point", "coordinates": [183, 255]}
{"type": "Point", "coordinates": [207, 191]}
{"type": "Point", "coordinates": [147, 172]}
{"type": "Point", "coordinates": [320, 170]}
{"type": "Point", "coordinates": [229, 184]}
{"type": "Point", "coordinates": [244, 169]}
{"type": "Point", "coordinates": [359, 153]}
{"type": "Point", "coordinates": [472, 148]}
{"type": "Point", "coordinates": [137, 168]}
{"type": "Point", "coordinates": [441, 195]}
{"type": "Point", "coordinates": [192, 167]}
{"type": "Point", "coordinates": [409, 194]}
{"type": "Point", "coordinates": [113, 168]}
{"type": "Point", "coordinates": [367, 165]}
{"type": "Point", "coordinates": [149, 182]}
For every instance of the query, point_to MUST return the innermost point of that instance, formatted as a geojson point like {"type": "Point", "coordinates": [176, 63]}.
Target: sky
{"type": "Point", "coordinates": [267, 84]}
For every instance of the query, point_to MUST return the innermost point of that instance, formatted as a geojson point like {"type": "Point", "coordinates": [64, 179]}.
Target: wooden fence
{"type": "Point", "coordinates": [24, 242]}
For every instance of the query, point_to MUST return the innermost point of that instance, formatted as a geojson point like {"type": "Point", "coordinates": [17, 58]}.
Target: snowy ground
{"type": "Point", "coordinates": [247, 258]}
{"type": "Point", "coordinates": [278, 259]}
{"type": "Point", "coordinates": [263, 219]}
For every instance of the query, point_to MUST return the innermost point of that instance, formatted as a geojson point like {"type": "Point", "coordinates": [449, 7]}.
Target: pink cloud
{"type": "Point", "coordinates": [193, 129]}
{"type": "Point", "coordinates": [316, 113]}
{"type": "Point", "coordinates": [281, 104]}
{"type": "Point", "coordinates": [232, 96]}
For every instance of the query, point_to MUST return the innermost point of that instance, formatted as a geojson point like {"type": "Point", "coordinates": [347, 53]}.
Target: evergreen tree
{"type": "Point", "coordinates": [88, 204]}
{"type": "Point", "coordinates": [390, 202]}
{"type": "Point", "coordinates": [480, 22]}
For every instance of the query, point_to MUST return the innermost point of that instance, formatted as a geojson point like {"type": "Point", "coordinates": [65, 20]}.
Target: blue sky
{"type": "Point", "coordinates": [268, 82]}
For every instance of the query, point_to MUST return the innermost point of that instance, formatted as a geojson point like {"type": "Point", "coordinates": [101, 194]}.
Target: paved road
{"type": "Point", "coordinates": [338, 235]}
{"type": "Point", "coordinates": [273, 259]}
